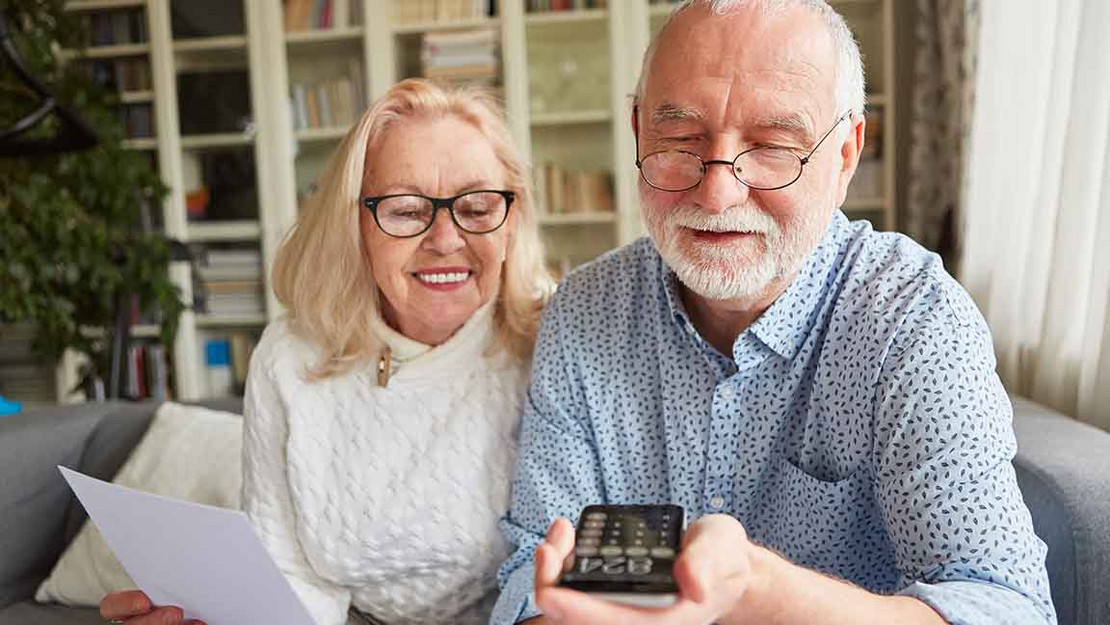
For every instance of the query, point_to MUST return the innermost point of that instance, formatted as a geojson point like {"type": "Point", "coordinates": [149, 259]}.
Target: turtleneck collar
{"type": "Point", "coordinates": [411, 358]}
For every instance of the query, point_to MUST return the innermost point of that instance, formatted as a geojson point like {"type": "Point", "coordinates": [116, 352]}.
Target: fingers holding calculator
{"type": "Point", "coordinates": [632, 563]}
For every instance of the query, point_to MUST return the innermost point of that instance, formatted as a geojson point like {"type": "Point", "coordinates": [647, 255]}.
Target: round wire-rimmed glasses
{"type": "Point", "coordinates": [405, 215]}
{"type": "Point", "coordinates": [762, 168]}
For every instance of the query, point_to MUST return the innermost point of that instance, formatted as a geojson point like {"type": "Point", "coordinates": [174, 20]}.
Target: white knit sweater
{"type": "Point", "coordinates": [384, 498]}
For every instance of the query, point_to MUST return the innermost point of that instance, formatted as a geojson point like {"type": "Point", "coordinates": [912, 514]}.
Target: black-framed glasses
{"type": "Point", "coordinates": [406, 215]}
{"type": "Point", "coordinates": [761, 168]}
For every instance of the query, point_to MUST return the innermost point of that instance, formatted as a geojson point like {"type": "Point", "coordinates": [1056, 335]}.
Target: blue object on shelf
{"type": "Point", "coordinates": [9, 407]}
{"type": "Point", "coordinates": [217, 353]}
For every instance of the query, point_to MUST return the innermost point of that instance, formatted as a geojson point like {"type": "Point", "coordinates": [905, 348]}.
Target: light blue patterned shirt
{"type": "Point", "coordinates": [859, 429]}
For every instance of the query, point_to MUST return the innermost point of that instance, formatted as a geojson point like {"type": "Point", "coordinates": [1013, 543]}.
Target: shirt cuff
{"type": "Point", "coordinates": [517, 601]}
{"type": "Point", "coordinates": [979, 603]}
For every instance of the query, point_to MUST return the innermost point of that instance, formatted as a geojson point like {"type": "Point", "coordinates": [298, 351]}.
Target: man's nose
{"type": "Point", "coordinates": [444, 236]}
{"type": "Point", "coordinates": [720, 189]}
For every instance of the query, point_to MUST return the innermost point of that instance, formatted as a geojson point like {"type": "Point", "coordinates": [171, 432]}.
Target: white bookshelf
{"type": "Point", "coordinates": [374, 48]}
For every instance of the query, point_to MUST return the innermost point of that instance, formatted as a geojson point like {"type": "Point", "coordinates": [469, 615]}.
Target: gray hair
{"type": "Point", "coordinates": [849, 63]}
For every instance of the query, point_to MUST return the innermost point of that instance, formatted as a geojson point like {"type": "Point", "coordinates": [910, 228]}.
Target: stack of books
{"type": "Point", "coordinates": [233, 281]}
{"type": "Point", "coordinates": [469, 56]}
{"type": "Point", "coordinates": [329, 103]}
{"type": "Point", "coordinates": [422, 11]}
{"type": "Point", "coordinates": [317, 14]}
{"type": "Point", "coordinates": [560, 190]}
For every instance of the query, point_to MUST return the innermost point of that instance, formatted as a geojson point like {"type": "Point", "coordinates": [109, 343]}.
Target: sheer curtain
{"type": "Point", "coordinates": [1036, 216]}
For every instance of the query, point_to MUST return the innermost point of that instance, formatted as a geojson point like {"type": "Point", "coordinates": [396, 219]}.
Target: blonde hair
{"type": "Point", "coordinates": [322, 273]}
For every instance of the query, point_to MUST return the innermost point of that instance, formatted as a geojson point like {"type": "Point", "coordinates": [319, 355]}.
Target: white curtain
{"type": "Point", "coordinates": [1036, 213]}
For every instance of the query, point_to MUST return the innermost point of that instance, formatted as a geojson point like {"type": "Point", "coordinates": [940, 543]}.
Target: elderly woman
{"type": "Point", "coordinates": [381, 411]}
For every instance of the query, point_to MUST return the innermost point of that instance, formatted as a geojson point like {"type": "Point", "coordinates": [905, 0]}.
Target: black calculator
{"type": "Point", "coordinates": [626, 553]}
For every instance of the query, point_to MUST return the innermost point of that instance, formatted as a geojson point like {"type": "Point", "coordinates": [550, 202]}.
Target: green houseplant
{"type": "Point", "coordinates": [69, 241]}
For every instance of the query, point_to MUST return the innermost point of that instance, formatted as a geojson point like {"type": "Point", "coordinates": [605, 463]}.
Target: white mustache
{"type": "Point", "coordinates": [738, 220]}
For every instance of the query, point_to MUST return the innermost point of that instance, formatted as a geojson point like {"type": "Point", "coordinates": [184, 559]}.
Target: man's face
{"type": "Point", "coordinates": [720, 85]}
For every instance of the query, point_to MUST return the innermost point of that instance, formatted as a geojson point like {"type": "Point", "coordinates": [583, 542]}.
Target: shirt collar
{"type": "Point", "coordinates": [784, 326]}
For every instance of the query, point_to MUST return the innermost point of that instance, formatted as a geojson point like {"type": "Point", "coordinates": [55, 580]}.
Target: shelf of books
{"type": "Point", "coordinates": [220, 60]}
{"type": "Point", "coordinates": [575, 116]}
{"type": "Point", "coordinates": [325, 52]}
{"type": "Point", "coordinates": [188, 76]}
{"type": "Point", "coordinates": [232, 311]}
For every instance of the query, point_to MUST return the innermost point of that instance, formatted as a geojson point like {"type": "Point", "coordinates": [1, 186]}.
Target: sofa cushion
{"type": "Point", "coordinates": [189, 453]}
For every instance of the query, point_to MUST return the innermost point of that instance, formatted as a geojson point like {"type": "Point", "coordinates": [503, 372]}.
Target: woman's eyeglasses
{"type": "Point", "coordinates": [408, 215]}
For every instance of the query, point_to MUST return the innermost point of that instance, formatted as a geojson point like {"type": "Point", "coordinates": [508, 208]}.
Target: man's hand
{"type": "Point", "coordinates": [716, 566]}
{"type": "Point", "coordinates": [723, 578]}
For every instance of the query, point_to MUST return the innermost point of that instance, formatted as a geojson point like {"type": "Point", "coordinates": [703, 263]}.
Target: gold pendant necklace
{"type": "Point", "coordinates": [384, 367]}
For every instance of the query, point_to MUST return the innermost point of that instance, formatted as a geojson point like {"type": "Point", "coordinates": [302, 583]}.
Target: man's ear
{"type": "Point", "coordinates": [850, 151]}
{"type": "Point", "coordinates": [858, 132]}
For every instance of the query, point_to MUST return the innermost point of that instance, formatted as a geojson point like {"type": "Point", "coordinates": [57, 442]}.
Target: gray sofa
{"type": "Point", "coordinates": [1063, 467]}
{"type": "Point", "coordinates": [39, 515]}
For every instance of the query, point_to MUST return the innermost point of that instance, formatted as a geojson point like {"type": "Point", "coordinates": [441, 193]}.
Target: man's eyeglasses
{"type": "Point", "coordinates": [761, 168]}
{"type": "Point", "coordinates": [408, 215]}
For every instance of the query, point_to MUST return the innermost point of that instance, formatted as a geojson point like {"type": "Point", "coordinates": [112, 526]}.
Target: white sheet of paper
{"type": "Point", "coordinates": [209, 561]}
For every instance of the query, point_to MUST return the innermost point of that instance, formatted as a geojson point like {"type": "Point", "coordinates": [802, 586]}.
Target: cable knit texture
{"type": "Point", "coordinates": [384, 498]}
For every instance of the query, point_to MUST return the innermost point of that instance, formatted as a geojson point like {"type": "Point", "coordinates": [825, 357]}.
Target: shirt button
{"type": "Point", "coordinates": [716, 502]}
{"type": "Point", "coordinates": [727, 392]}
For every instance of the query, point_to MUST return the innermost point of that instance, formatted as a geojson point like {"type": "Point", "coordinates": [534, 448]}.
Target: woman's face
{"type": "Point", "coordinates": [432, 283]}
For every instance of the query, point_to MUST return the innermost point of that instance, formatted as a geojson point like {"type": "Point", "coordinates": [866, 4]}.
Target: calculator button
{"type": "Point", "coordinates": [590, 533]}
{"type": "Point", "coordinates": [597, 516]}
{"type": "Point", "coordinates": [662, 552]}
{"type": "Point", "coordinates": [585, 551]}
{"type": "Point", "coordinates": [612, 541]}
{"type": "Point", "coordinates": [636, 551]}
{"type": "Point", "coordinates": [612, 550]}
{"type": "Point", "coordinates": [594, 524]}
{"type": "Point", "coordinates": [589, 542]}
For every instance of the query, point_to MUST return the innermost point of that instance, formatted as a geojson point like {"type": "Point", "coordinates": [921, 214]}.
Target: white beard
{"type": "Point", "coordinates": [741, 270]}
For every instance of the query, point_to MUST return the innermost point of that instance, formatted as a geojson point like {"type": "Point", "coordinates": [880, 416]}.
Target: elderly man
{"type": "Point", "coordinates": [820, 396]}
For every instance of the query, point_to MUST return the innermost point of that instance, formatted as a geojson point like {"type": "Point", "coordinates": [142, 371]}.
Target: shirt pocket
{"type": "Point", "coordinates": [814, 522]}
{"type": "Point", "coordinates": [801, 492]}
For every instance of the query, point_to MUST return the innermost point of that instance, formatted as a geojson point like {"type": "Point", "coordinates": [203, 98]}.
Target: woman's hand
{"type": "Point", "coordinates": [133, 607]}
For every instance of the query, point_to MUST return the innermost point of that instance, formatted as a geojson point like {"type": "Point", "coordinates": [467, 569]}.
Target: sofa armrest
{"type": "Point", "coordinates": [38, 513]}
{"type": "Point", "coordinates": [1063, 468]}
